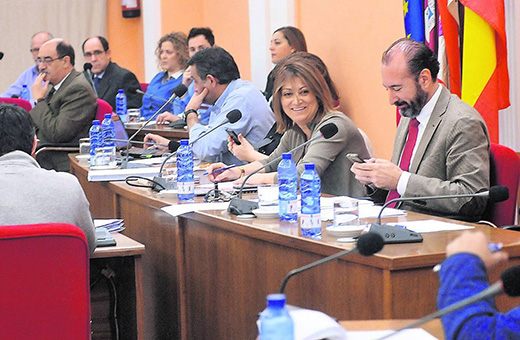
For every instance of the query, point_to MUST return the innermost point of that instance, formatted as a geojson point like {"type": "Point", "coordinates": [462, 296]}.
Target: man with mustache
{"type": "Point", "coordinates": [441, 145]}
{"type": "Point", "coordinates": [65, 102]}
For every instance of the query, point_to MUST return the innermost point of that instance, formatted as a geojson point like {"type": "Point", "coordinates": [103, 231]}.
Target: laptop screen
{"type": "Point", "coordinates": [120, 132]}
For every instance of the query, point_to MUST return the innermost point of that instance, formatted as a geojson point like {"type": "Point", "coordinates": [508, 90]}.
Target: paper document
{"type": "Point", "coordinates": [430, 226]}
{"type": "Point", "coordinates": [408, 334]}
{"type": "Point", "coordinates": [179, 209]}
{"type": "Point", "coordinates": [121, 174]}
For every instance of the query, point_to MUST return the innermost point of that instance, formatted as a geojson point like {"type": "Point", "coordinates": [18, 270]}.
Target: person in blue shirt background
{"type": "Point", "coordinates": [199, 39]}
{"type": "Point", "coordinates": [464, 274]}
{"type": "Point", "coordinates": [172, 54]}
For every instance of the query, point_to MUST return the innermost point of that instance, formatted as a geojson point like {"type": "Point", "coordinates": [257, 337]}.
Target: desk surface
{"type": "Point", "coordinates": [162, 130]}
{"type": "Point", "coordinates": [433, 327]}
{"type": "Point", "coordinates": [207, 274]}
{"type": "Point", "coordinates": [125, 246]}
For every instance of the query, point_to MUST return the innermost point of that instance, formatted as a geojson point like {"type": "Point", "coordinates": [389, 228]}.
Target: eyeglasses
{"type": "Point", "coordinates": [47, 60]}
{"type": "Point", "coordinates": [97, 53]}
{"type": "Point", "coordinates": [34, 50]}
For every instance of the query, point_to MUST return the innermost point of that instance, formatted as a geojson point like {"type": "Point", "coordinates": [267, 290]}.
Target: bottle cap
{"type": "Point", "coordinates": [286, 155]}
{"type": "Point", "coordinates": [108, 115]}
{"type": "Point", "coordinates": [95, 122]}
{"type": "Point", "coordinates": [120, 91]}
{"type": "Point", "coordinates": [276, 300]}
{"type": "Point", "coordinates": [185, 142]}
{"type": "Point", "coordinates": [309, 166]}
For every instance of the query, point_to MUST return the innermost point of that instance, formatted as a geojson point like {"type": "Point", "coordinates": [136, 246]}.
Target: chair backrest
{"type": "Point", "coordinates": [45, 291]}
{"type": "Point", "coordinates": [17, 101]}
{"type": "Point", "coordinates": [103, 108]}
{"type": "Point", "coordinates": [144, 86]}
{"type": "Point", "coordinates": [505, 170]}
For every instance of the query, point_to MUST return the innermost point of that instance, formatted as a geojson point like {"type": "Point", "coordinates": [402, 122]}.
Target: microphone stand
{"type": "Point", "coordinates": [124, 164]}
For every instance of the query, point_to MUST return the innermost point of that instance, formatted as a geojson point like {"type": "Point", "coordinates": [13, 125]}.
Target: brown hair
{"type": "Point", "coordinates": [296, 65]}
{"type": "Point", "coordinates": [178, 39]}
{"type": "Point", "coordinates": [294, 37]}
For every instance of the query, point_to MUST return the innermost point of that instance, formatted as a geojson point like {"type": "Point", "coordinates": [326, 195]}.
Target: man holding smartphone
{"type": "Point", "coordinates": [441, 145]}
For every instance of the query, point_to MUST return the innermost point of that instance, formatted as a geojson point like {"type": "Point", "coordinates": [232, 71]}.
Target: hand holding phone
{"type": "Point", "coordinates": [354, 158]}
{"type": "Point", "coordinates": [233, 136]}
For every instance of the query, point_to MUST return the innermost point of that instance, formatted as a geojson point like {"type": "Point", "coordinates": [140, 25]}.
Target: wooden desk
{"type": "Point", "coordinates": [125, 259]}
{"type": "Point", "coordinates": [433, 327]}
{"type": "Point", "coordinates": [162, 130]}
{"type": "Point", "coordinates": [206, 274]}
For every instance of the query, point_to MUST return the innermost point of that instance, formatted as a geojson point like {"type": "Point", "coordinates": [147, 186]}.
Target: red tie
{"type": "Point", "coordinates": [406, 158]}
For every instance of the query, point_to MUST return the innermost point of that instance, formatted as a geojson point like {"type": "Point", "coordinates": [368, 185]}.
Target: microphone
{"type": "Point", "coordinates": [87, 67]}
{"type": "Point", "coordinates": [497, 193]}
{"type": "Point", "coordinates": [509, 283]}
{"type": "Point", "coordinates": [238, 206]}
{"type": "Point", "coordinates": [232, 117]}
{"type": "Point", "coordinates": [367, 245]}
{"type": "Point", "coordinates": [178, 91]}
{"type": "Point", "coordinates": [1, 55]}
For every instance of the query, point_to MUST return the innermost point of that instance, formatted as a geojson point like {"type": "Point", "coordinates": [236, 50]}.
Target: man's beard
{"type": "Point", "coordinates": [413, 109]}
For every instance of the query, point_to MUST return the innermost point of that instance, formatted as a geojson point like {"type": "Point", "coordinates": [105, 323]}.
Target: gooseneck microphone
{"type": "Point", "coordinates": [87, 67]}
{"type": "Point", "coordinates": [497, 193]}
{"type": "Point", "coordinates": [178, 91]}
{"type": "Point", "coordinates": [367, 245]}
{"type": "Point", "coordinates": [1, 55]}
{"type": "Point", "coordinates": [238, 206]}
{"type": "Point", "coordinates": [232, 117]}
{"type": "Point", "coordinates": [509, 283]}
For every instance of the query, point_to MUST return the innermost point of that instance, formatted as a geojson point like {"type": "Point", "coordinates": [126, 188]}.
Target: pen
{"type": "Point", "coordinates": [216, 171]}
{"type": "Point", "coordinates": [493, 247]}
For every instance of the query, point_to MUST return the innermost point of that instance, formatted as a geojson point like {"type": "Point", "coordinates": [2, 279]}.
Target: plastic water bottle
{"type": "Point", "coordinates": [96, 140]}
{"type": "Point", "coordinates": [25, 94]}
{"type": "Point", "coordinates": [275, 321]}
{"type": "Point", "coordinates": [310, 188]}
{"type": "Point", "coordinates": [108, 130]}
{"type": "Point", "coordinates": [121, 106]}
{"type": "Point", "coordinates": [288, 189]}
{"type": "Point", "coordinates": [185, 182]}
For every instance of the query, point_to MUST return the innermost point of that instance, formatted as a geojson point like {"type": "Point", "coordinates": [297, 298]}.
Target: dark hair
{"type": "Point", "coordinates": [180, 45]}
{"type": "Point", "coordinates": [320, 65]}
{"type": "Point", "coordinates": [294, 37]}
{"type": "Point", "coordinates": [16, 129]}
{"type": "Point", "coordinates": [63, 49]}
{"type": "Point", "coordinates": [205, 31]}
{"type": "Point", "coordinates": [298, 66]}
{"type": "Point", "coordinates": [418, 56]}
{"type": "Point", "coordinates": [217, 62]}
{"type": "Point", "coordinates": [102, 40]}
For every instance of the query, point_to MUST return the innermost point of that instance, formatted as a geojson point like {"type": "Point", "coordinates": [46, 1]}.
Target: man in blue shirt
{"type": "Point", "coordinates": [217, 82]}
{"type": "Point", "coordinates": [462, 275]}
{"type": "Point", "coordinates": [29, 75]}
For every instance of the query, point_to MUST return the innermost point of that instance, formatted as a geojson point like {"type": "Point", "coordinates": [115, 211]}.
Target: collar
{"type": "Point", "coordinates": [100, 75]}
{"type": "Point", "coordinates": [176, 75]}
{"type": "Point", "coordinates": [35, 70]}
{"type": "Point", "coordinates": [18, 158]}
{"type": "Point", "coordinates": [220, 101]}
{"type": "Point", "coordinates": [57, 86]}
{"type": "Point", "coordinates": [427, 109]}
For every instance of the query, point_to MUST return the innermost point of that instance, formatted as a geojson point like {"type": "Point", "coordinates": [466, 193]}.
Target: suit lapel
{"type": "Point", "coordinates": [431, 127]}
{"type": "Point", "coordinates": [104, 83]}
{"type": "Point", "coordinates": [400, 139]}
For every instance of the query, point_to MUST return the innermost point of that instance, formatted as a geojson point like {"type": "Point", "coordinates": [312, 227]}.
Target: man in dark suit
{"type": "Point", "coordinates": [445, 140]}
{"type": "Point", "coordinates": [64, 111]}
{"type": "Point", "coordinates": [108, 76]}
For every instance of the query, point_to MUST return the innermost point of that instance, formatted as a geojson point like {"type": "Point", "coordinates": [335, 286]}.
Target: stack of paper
{"type": "Point", "coordinates": [112, 225]}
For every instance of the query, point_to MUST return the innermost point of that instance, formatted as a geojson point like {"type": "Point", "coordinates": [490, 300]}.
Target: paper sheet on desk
{"type": "Point", "coordinates": [408, 334]}
{"type": "Point", "coordinates": [367, 209]}
{"type": "Point", "coordinates": [179, 209]}
{"type": "Point", "coordinates": [430, 226]}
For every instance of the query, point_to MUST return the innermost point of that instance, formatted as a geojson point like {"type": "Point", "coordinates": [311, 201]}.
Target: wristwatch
{"type": "Point", "coordinates": [185, 114]}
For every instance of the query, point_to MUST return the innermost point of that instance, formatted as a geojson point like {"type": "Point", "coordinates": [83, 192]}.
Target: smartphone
{"type": "Point", "coordinates": [233, 136]}
{"type": "Point", "coordinates": [354, 158]}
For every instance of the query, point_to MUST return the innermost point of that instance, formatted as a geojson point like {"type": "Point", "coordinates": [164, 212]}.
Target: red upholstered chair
{"type": "Point", "coordinates": [505, 170]}
{"type": "Point", "coordinates": [17, 101]}
{"type": "Point", "coordinates": [103, 108]}
{"type": "Point", "coordinates": [44, 282]}
{"type": "Point", "coordinates": [144, 86]}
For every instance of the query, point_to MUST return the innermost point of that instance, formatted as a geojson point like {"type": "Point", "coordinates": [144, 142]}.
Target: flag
{"type": "Point", "coordinates": [430, 24]}
{"type": "Point", "coordinates": [448, 10]}
{"type": "Point", "coordinates": [413, 19]}
{"type": "Point", "coordinates": [485, 79]}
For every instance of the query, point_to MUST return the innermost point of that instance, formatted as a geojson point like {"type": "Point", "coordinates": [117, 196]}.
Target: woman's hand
{"type": "Point", "coordinates": [166, 117]}
{"type": "Point", "coordinates": [214, 175]}
{"type": "Point", "coordinates": [154, 139]}
{"type": "Point", "coordinates": [244, 151]}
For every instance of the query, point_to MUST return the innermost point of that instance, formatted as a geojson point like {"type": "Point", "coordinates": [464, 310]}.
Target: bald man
{"type": "Point", "coordinates": [65, 102]}
{"type": "Point", "coordinates": [29, 75]}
